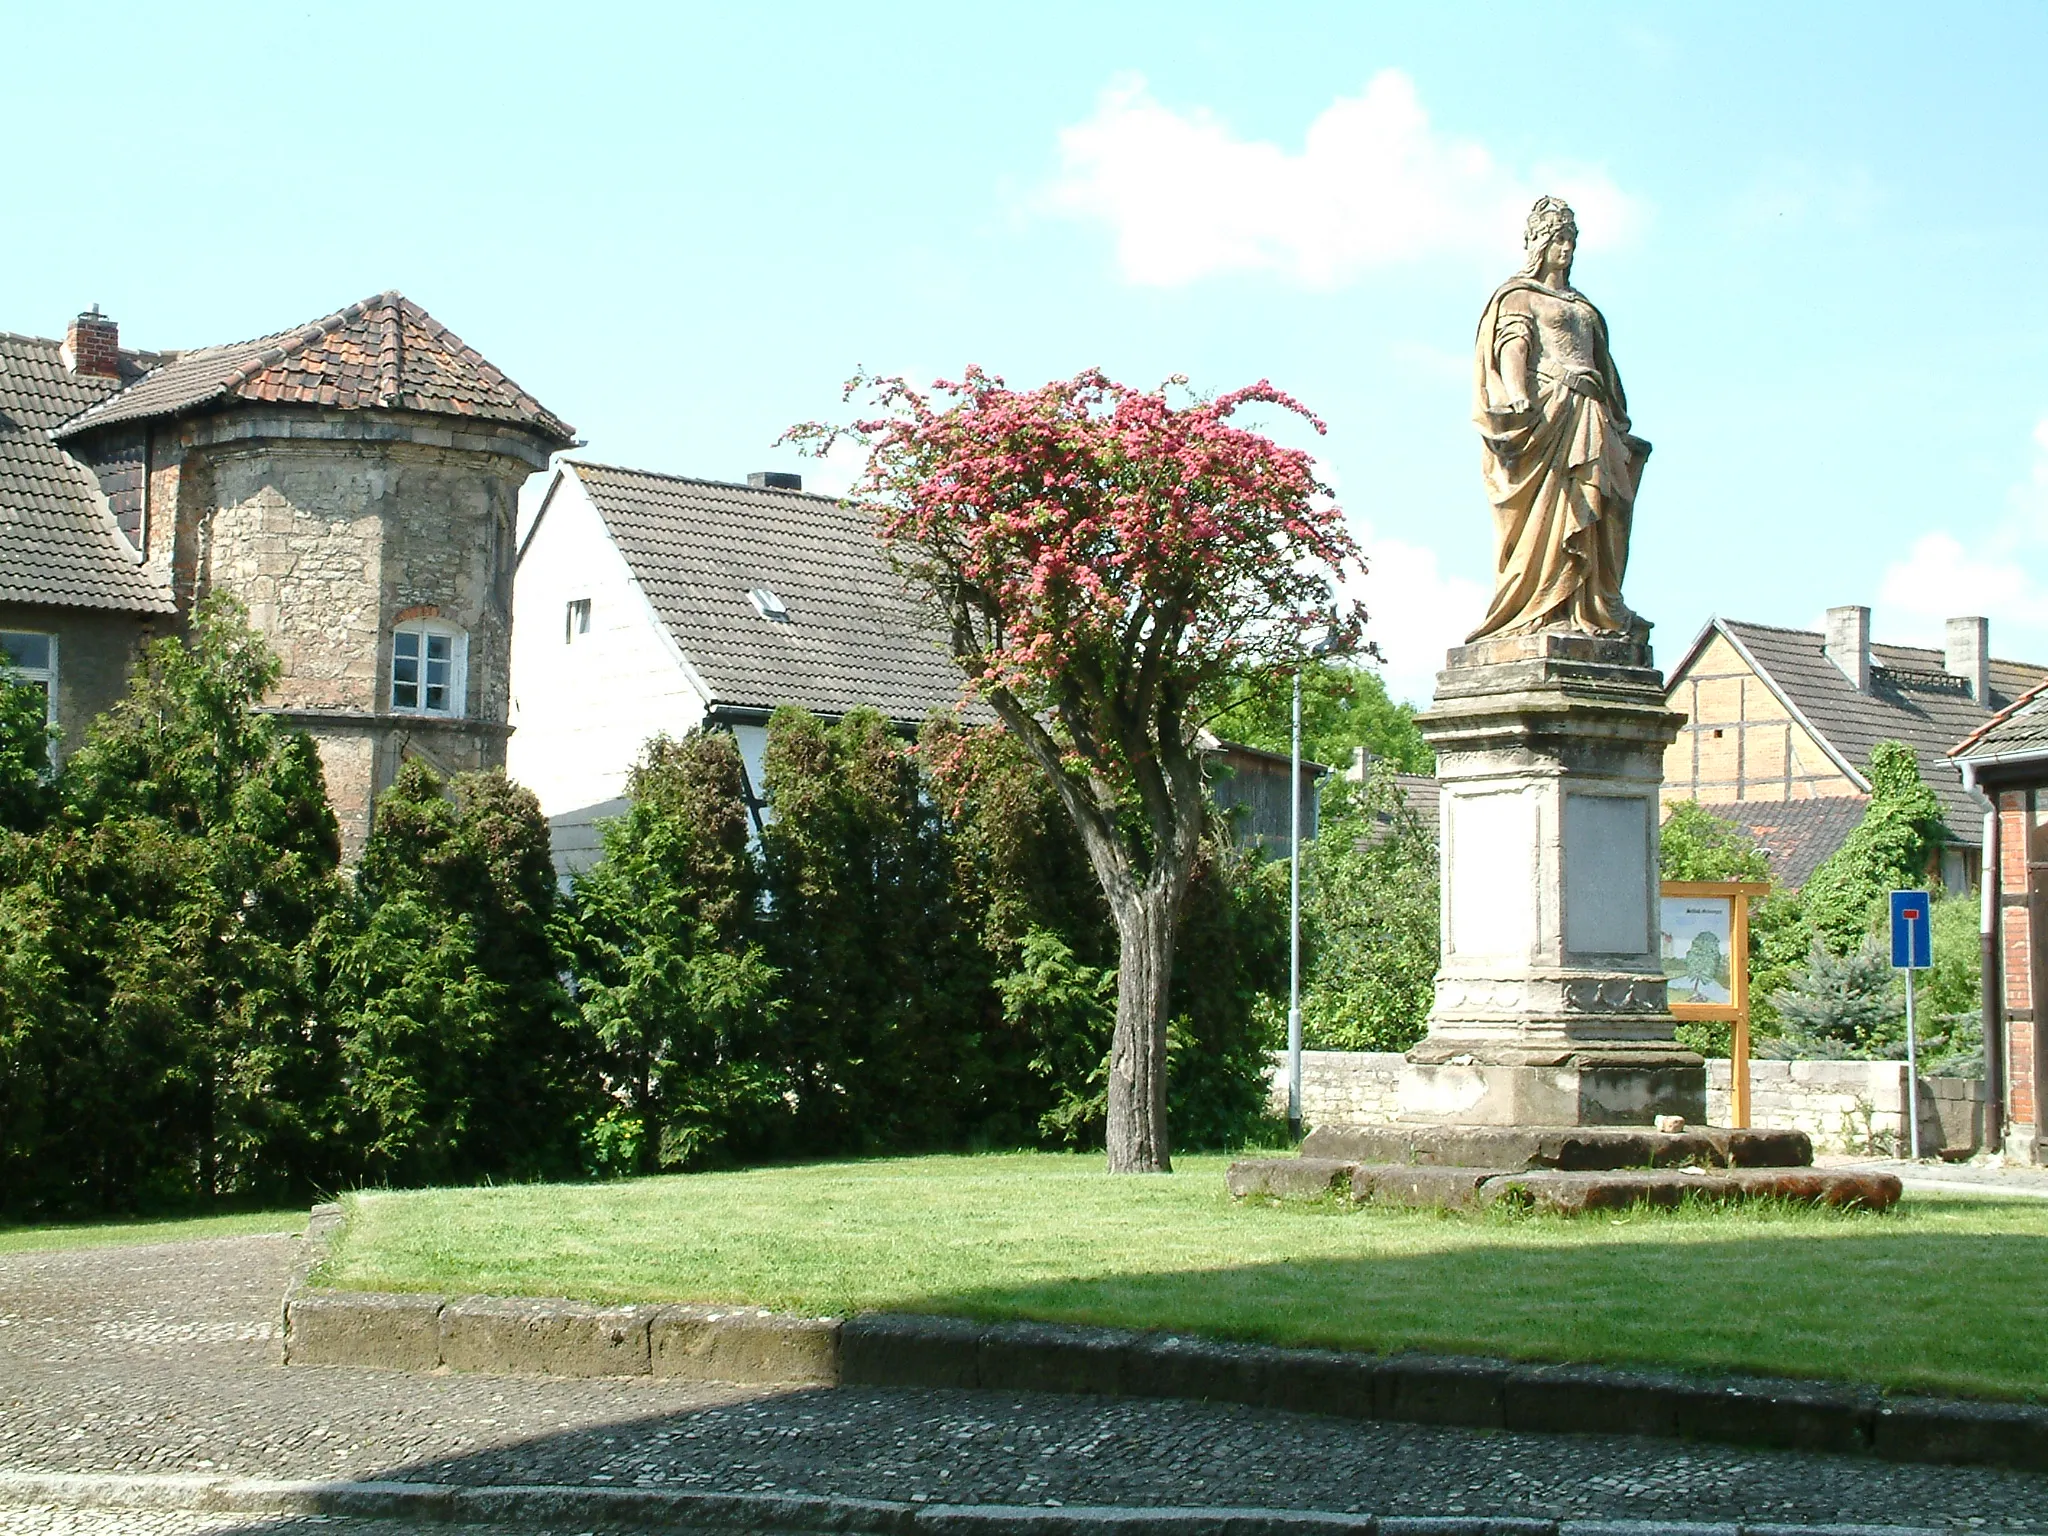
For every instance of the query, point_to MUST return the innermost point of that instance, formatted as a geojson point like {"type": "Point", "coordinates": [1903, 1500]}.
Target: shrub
{"type": "Point", "coordinates": [462, 1056]}
{"type": "Point", "coordinates": [664, 936]}
{"type": "Point", "coordinates": [885, 993]}
{"type": "Point", "coordinates": [1842, 1006]}
{"type": "Point", "coordinates": [1370, 920]}
{"type": "Point", "coordinates": [1892, 848]}
{"type": "Point", "coordinates": [172, 1047]}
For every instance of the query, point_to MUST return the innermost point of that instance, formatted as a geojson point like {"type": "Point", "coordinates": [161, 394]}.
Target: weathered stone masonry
{"type": "Point", "coordinates": [342, 480]}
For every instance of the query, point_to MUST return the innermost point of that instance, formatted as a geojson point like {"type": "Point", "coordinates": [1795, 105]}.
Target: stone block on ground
{"type": "Point", "coordinates": [1441, 1389]}
{"type": "Point", "coordinates": [1979, 1434]}
{"type": "Point", "coordinates": [1819, 1186]}
{"type": "Point", "coordinates": [1420, 1185]}
{"type": "Point", "coordinates": [1045, 1357]}
{"type": "Point", "coordinates": [1569, 1193]}
{"type": "Point", "coordinates": [742, 1344]}
{"type": "Point", "coordinates": [1750, 1147]}
{"type": "Point", "coordinates": [532, 1337]}
{"type": "Point", "coordinates": [1288, 1178]}
{"type": "Point", "coordinates": [1783, 1415]}
{"type": "Point", "coordinates": [902, 1349]}
{"type": "Point", "coordinates": [1571, 1148]}
{"type": "Point", "coordinates": [1203, 1370]}
{"type": "Point", "coordinates": [1589, 1400]}
{"type": "Point", "coordinates": [375, 1328]}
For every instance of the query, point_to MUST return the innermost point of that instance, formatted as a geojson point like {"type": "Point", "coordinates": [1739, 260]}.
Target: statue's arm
{"type": "Point", "coordinates": [1514, 336]}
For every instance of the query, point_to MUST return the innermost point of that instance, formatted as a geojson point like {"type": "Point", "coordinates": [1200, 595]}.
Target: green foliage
{"type": "Point", "coordinates": [162, 1039]}
{"type": "Point", "coordinates": [664, 938]}
{"type": "Point", "coordinates": [1069, 1011]}
{"type": "Point", "coordinates": [1892, 848]}
{"type": "Point", "coordinates": [462, 1058]}
{"type": "Point", "coordinates": [882, 982]}
{"type": "Point", "coordinates": [1695, 844]}
{"type": "Point", "coordinates": [1950, 1002]}
{"type": "Point", "coordinates": [1344, 705]}
{"type": "Point", "coordinates": [26, 795]}
{"type": "Point", "coordinates": [1230, 963]}
{"type": "Point", "coordinates": [1370, 922]}
{"type": "Point", "coordinates": [1843, 1006]}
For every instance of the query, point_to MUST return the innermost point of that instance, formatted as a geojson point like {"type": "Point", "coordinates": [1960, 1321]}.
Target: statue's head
{"type": "Point", "coordinates": [1552, 230]}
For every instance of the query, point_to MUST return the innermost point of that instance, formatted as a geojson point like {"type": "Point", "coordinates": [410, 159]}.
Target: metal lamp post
{"type": "Point", "coordinates": [1320, 648]}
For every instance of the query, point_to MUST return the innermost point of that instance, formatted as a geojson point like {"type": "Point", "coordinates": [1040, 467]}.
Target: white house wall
{"type": "Point", "coordinates": [584, 706]}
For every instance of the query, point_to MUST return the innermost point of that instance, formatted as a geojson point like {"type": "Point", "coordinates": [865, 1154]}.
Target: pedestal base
{"type": "Point", "coordinates": [1606, 1085]}
{"type": "Point", "coordinates": [1551, 998]}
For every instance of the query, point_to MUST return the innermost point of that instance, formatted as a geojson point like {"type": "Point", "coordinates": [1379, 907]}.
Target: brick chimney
{"type": "Point", "coordinates": [775, 480]}
{"type": "Point", "coordinates": [1848, 644]}
{"type": "Point", "coordinates": [1968, 656]}
{"type": "Point", "coordinates": [92, 345]}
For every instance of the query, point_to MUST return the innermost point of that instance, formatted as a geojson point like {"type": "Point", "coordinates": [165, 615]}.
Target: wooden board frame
{"type": "Point", "coordinates": [1738, 894]}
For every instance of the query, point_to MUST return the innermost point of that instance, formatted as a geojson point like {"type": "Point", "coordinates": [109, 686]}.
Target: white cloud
{"type": "Point", "coordinates": [1374, 184]}
{"type": "Point", "coordinates": [1999, 574]}
{"type": "Point", "coordinates": [1414, 611]}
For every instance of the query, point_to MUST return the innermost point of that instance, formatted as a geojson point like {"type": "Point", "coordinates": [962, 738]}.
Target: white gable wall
{"type": "Point", "coordinates": [583, 706]}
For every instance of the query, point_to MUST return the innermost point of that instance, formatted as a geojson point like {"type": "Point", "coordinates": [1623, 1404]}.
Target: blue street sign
{"type": "Point", "coordinates": [1912, 933]}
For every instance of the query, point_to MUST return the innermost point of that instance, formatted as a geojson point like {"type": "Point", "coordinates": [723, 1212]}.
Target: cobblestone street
{"type": "Point", "coordinates": [163, 1360]}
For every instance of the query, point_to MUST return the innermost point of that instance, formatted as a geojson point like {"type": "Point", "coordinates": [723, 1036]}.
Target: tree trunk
{"type": "Point", "coordinates": [1137, 1053]}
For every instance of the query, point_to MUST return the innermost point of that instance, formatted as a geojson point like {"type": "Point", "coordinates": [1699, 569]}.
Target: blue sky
{"type": "Point", "coordinates": [1818, 234]}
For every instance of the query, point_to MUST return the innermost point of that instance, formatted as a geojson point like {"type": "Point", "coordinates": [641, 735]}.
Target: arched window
{"type": "Point", "coordinates": [429, 668]}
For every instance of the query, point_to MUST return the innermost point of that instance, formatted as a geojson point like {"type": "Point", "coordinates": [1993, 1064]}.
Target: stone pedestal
{"type": "Point", "coordinates": [1550, 1004]}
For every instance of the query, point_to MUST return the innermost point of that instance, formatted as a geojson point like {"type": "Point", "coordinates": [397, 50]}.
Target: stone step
{"type": "Point", "coordinates": [1574, 1148]}
{"type": "Point", "coordinates": [1456, 1187]}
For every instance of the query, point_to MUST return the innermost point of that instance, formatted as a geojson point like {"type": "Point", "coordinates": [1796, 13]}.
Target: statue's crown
{"type": "Point", "coordinates": [1550, 215]}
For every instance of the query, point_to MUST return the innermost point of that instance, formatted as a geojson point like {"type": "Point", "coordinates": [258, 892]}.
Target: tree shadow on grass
{"type": "Point", "coordinates": [1913, 1310]}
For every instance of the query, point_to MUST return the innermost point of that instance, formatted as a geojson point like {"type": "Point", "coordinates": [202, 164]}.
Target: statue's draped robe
{"type": "Point", "coordinates": [1562, 476]}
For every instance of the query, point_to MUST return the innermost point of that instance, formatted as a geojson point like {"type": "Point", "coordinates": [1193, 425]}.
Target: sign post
{"type": "Point", "coordinates": [1704, 939]}
{"type": "Point", "coordinates": [1912, 950]}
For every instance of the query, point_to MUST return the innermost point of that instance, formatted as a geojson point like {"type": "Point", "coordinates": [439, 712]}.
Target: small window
{"type": "Point", "coordinates": [28, 657]}
{"type": "Point", "coordinates": [578, 621]}
{"type": "Point", "coordinates": [768, 605]}
{"type": "Point", "coordinates": [429, 668]}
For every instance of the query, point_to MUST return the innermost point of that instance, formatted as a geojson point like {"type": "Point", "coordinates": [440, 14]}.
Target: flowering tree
{"type": "Point", "coordinates": [1103, 559]}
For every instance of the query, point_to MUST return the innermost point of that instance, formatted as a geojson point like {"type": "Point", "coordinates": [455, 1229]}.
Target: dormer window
{"type": "Point", "coordinates": [429, 668]}
{"type": "Point", "coordinates": [768, 605]}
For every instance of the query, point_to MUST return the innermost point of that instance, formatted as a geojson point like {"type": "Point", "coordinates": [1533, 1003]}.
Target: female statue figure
{"type": "Point", "coordinates": [1561, 467]}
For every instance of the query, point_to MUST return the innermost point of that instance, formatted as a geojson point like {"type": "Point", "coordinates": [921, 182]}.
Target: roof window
{"type": "Point", "coordinates": [768, 605]}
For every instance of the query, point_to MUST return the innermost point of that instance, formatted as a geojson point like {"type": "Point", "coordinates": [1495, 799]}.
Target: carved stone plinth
{"type": "Point", "coordinates": [1550, 1004]}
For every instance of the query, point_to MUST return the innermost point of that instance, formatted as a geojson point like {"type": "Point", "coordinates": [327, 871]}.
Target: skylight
{"type": "Point", "coordinates": [768, 605]}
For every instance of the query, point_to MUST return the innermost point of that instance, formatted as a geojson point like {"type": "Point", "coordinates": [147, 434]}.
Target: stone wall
{"type": "Point", "coordinates": [1854, 1106]}
{"type": "Point", "coordinates": [1847, 1107]}
{"type": "Point", "coordinates": [96, 648]}
{"type": "Point", "coordinates": [333, 527]}
{"type": "Point", "coordinates": [1342, 1087]}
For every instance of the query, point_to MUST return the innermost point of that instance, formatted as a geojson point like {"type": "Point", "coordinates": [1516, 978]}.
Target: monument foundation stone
{"type": "Point", "coordinates": [1550, 1002]}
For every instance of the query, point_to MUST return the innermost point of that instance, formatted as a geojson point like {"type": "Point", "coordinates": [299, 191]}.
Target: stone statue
{"type": "Point", "coordinates": [1561, 466]}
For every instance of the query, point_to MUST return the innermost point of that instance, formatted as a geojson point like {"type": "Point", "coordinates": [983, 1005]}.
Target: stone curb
{"type": "Point", "coordinates": [750, 1346]}
{"type": "Point", "coordinates": [663, 1509]}
{"type": "Point", "coordinates": [543, 1336]}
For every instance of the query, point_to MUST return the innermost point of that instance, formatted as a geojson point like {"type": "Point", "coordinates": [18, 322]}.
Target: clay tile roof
{"type": "Point", "coordinates": [1911, 700]}
{"type": "Point", "coordinates": [1795, 835]}
{"type": "Point", "coordinates": [383, 353]}
{"type": "Point", "coordinates": [854, 635]}
{"type": "Point", "coordinates": [58, 541]}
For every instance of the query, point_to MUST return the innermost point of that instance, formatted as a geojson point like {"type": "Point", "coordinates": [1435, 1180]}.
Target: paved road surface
{"type": "Point", "coordinates": [162, 1359]}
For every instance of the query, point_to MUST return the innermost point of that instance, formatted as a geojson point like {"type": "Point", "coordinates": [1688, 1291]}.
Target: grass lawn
{"type": "Point", "coordinates": [1942, 1295]}
{"type": "Point", "coordinates": [110, 1234]}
